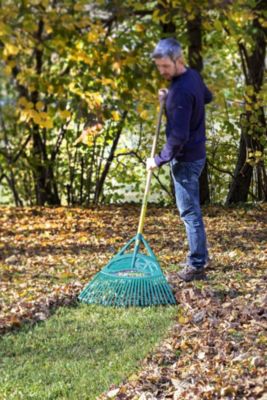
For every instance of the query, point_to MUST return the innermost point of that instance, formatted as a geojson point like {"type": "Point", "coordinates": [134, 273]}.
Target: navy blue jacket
{"type": "Point", "coordinates": [185, 112]}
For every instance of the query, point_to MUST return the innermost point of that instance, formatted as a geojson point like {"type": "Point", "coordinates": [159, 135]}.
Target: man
{"type": "Point", "coordinates": [185, 147]}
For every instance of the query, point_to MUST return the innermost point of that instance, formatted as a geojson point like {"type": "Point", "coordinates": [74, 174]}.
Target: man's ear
{"type": "Point", "coordinates": [181, 60]}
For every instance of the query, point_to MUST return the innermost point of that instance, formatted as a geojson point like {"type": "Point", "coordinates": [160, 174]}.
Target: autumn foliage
{"type": "Point", "coordinates": [79, 97]}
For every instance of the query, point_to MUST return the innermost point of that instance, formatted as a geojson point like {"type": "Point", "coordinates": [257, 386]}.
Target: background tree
{"type": "Point", "coordinates": [80, 96]}
{"type": "Point", "coordinates": [252, 120]}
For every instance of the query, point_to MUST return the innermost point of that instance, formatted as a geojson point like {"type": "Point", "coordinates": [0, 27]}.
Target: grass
{"type": "Point", "coordinates": [79, 352]}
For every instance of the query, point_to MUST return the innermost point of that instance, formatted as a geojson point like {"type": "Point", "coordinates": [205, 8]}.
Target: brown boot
{"type": "Point", "coordinates": [189, 273]}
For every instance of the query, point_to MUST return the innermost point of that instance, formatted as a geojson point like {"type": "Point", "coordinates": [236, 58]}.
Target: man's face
{"type": "Point", "coordinates": [169, 68]}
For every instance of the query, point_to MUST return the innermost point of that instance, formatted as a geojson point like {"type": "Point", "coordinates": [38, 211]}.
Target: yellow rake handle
{"type": "Point", "coordinates": [149, 174]}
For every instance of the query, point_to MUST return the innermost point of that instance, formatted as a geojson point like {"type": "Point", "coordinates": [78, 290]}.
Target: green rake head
{"type": "Point", "coordinates": [131, 279]}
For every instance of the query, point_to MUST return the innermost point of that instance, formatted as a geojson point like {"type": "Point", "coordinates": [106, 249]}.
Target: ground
{"type": "Point", "coordinates": [217, 345]}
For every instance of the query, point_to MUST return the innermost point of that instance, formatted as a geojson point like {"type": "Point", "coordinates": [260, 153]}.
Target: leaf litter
{"type": "Point", "coordinates": [217, 346]}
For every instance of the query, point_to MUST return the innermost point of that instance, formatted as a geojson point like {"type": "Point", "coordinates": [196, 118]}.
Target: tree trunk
{"type": "Point", "coordinates": [45, 184]}
{"type": "Point", "coordinates": [81, 181]}
{"type": "Point", "coordinates": [39, 172]}
{"type": "Point", "coordinates": [12, 183]}
{"type": "Point", "coordinates": [194, 34]}
{"type": "Point", "coordinates": [238, 191]}
{"type": "Point", "coordinates": [89, 178]}
{"type": "Point", "coordinates": [195, 61]}
{"type": "Point", "coordinates": [255, 125]}
{"type": "Point", "coordinates": [261, 189]}
{"type": "Point", "coordinates": [100, 183]}
{"type": "Point", "coordinates": [52, 187]}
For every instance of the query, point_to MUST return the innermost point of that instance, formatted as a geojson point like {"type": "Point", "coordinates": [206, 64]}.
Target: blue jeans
{"type": "Point", "coordinates": [185, 178]}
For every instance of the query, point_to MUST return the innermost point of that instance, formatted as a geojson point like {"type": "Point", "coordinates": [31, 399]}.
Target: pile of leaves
{"type": "Point", "coordinates": [216, 350]}
{"type": "Point", "coordinates": [217, 347]}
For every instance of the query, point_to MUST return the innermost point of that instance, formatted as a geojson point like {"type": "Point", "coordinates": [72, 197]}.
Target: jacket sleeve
{"type": "Point", "coordinates": [178, 125]}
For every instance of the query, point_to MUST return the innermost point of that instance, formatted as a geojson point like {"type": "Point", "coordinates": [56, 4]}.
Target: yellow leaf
{"type": "Point", "coordinates": [37, 119]}
{"type": "Point", "coordinates": [263, 22]}
{"type": "Point", "coordinates": [207, 25]}
{"type": "Point", "coordinates": [29, 105]}
{"type": "Point", "coordinates": [22, 101]}
{"type": "Point", "coordinates": [133, 378]}
{"type": "Point", "coordinates": [83, 239]}
{"type": "Point", "coordinates": [184, 345]}
{"type": "Point", "coordinates": [262, 339]}
{"type": "Point", "coordinates": [166, 18]}
{"type": "Point", "coordinates": [92, 36]}
{"type": "Point", "coordinates": [89, 141]}
{"type": "Point", "coordinates": [66, 275]}
{"type": "Point", "coordinates": [155, 15]}
{"type": "Point", "coordinates": [10, 50]}
{"type": "Point", "coordinates": [47, 124]}
{"type": "Point", "coordinates": [50, 89]}
{"type": "Point", "coordinates": [80, 45]}
{"type": "Point", "coordinates": [41, 118]}
{"type": "Point", "coordinates": [109, 82]}
{"type": "Point", "coordinates": [48, 29]}
{"type": "Point", "coordinates": [139, 28]}
{"type": "Point", "coordinates": [258, 153]}
{"type": "Point", "coordinates": [44, 115]}
{"type": "Point", "coordinates": [39, 105]}
{"type": "Point", "coordinates": [12, 63]}
{"type": "Point", "coordinates": [64, 114]}
{"type": "Point", "coordinates": [116, 67]}
{"type": "Point", "coordinates": [106, 81]}
{"type": "Point", "coordinates": [24, 116]}
{"type": "Point", "coordinates": [72, 87]}
{"type": "Point", "coordinates": [183, 320]}
{"type": "Point", "coordinates": [115, 115]}
{"type": "Point", "coordinates": [144, 115]}
{"type": "Point", "coordinates": [58, 43]}
{"type": "Point", "coordinates": [94, 99]}
{"type": "Point", "coordinates": [8, 70]}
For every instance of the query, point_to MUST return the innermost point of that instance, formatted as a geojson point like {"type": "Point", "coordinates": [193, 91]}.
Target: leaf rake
{"type": "Point", "coordinates": [132, 278]}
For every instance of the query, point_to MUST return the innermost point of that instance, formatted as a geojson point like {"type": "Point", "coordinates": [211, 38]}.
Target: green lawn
{"type": "Point", "coordinates": [79, 351]}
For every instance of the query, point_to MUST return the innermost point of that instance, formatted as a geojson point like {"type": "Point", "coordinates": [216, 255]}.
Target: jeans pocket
{"type": "Point", "coordinates": [187, 171]}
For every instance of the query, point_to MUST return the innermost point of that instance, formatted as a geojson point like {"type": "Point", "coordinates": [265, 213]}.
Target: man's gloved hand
{"type": "Point", "coordinates": [150, 164]}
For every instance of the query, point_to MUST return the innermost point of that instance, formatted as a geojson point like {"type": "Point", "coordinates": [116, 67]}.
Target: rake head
{"type": "Point", "coordinates": [129, 280]}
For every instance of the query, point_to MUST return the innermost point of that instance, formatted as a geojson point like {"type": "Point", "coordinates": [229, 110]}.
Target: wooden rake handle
{"type": "Point", "coordinates": [162, 96]}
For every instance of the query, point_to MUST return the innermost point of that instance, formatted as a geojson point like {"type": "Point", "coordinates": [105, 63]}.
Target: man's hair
{"type": "Point", "coordinates": [168, 47]}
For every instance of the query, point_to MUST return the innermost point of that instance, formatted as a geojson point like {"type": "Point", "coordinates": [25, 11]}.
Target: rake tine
{"type": "Point", "coordinates": [160, 285]}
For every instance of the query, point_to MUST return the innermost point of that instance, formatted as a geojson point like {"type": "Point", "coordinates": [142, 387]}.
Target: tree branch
{"type": "Point", "coordinates": [22, 148]}
{"type": "Point", "coordinates": [133, 153]}
{"type": "Point", "coordinates": [244, 61]}
{"type": "Point", "coordinates": [58, 143]}
{"type": "Point", "coordinates": [224, 171]}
